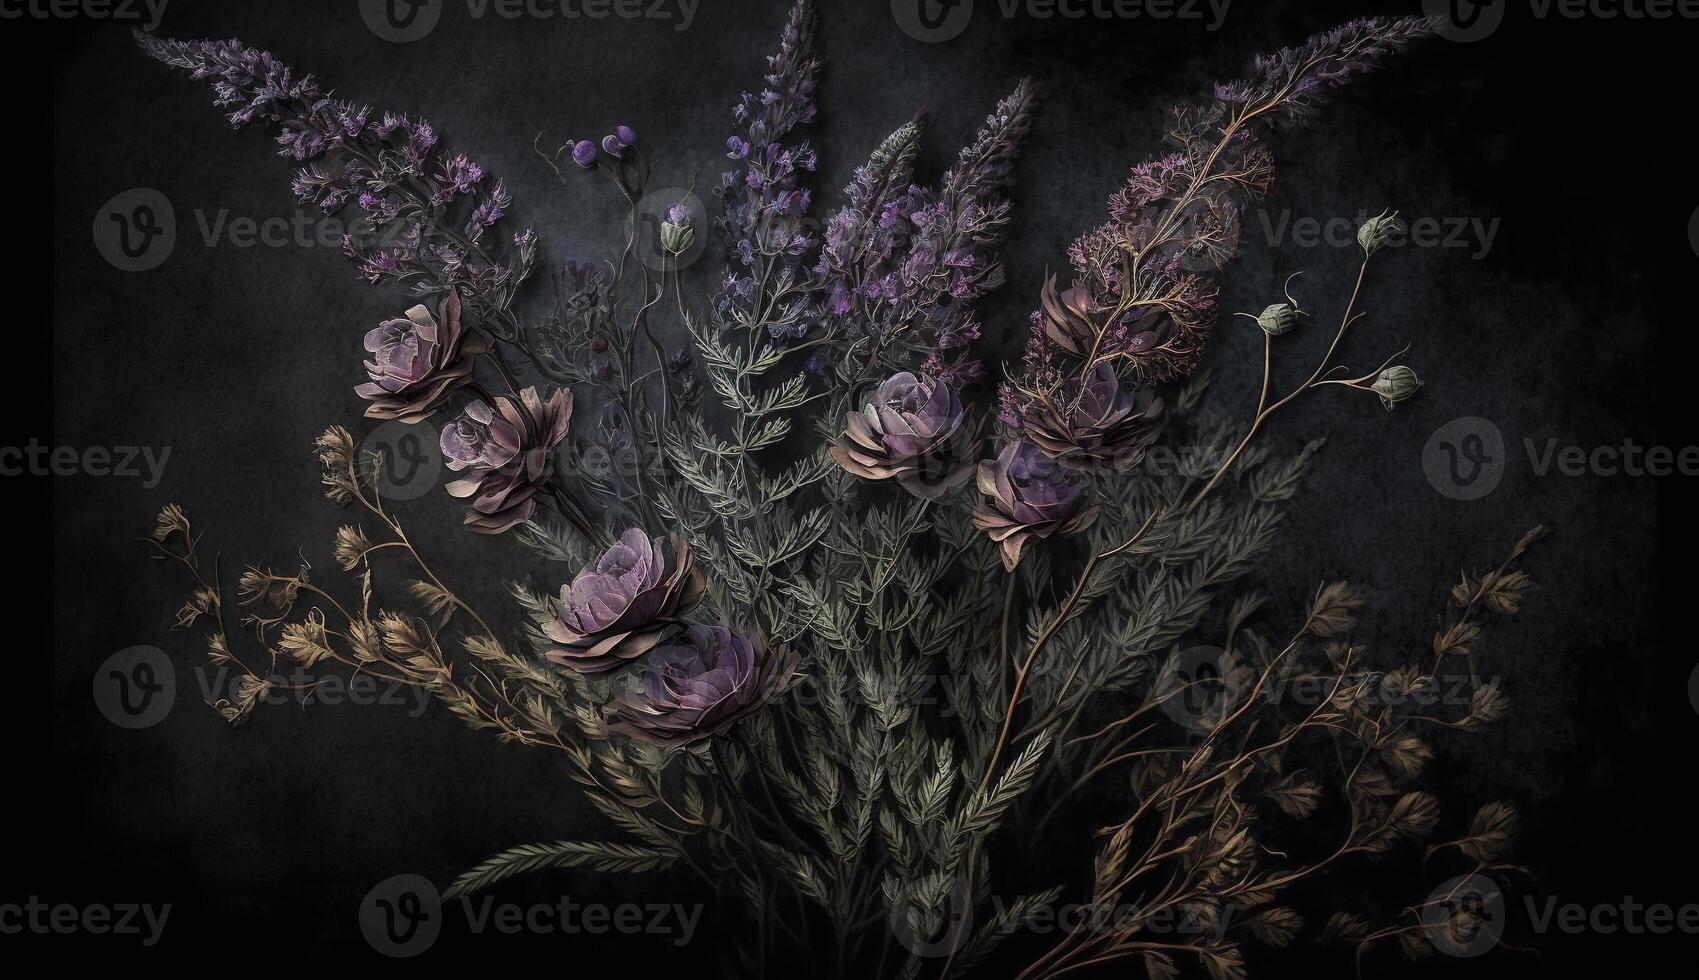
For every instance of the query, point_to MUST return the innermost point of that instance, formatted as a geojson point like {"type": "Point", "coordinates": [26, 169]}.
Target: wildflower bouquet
{"type": "Point", "coordinates": [829, 520]}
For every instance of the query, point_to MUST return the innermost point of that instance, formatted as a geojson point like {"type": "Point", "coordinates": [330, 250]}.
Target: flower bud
{"type": "Point", "coordinates": [613, 147]}
{"type": "Point", "coordinates": [676, 239]}
{"type": "Point", "coordinates": [1278, 318]}
{"type": "Point", "coordinates": [1378, 231]}
{"type": "Point", "coordinates": [584, 154]}
{"type": "Point", "coordinates": [1396, 384]}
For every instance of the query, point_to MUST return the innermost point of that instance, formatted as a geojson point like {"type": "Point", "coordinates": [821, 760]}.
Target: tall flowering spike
{"type": "Point", "coordinates": [889, 169]}
{"type": "Point", "coordinates": [424, 208]}
{"type": "Point", "coordinates": [1144, 290]}
{"type": "Point", "coordinates": [911, 271]}
{"type": "Point", "coordinates": [509, 450]}
{"type": "Point", "coordinates": [984, 166]}
{"type": "Point", "coordinates": [855, 230]}
{"type": "Point", "coordinates": [764, 196]}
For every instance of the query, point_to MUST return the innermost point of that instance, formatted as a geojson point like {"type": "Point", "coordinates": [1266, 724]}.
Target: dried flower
{"type": "Point", "coordinates": [417, 361]}
{"type": "Point", "coordinates": [1099, 423]}
{"type": "Point", "coordinates": [1378, 231]}
{"type": "Point", "coordinates": [623, 604]}
{"type": "Point", "coordinates": [508, 449]}
{"type": "Point", "coordinates": [1396, 384]}
{"type": "Point", "coordinates": [699, 685]}
{"type": "Point", "coordinates": [912, 431]}
{"type": "Point", "coordinates": [351, 546]}
{"type": "Point", "coordinates": [1027, 493]}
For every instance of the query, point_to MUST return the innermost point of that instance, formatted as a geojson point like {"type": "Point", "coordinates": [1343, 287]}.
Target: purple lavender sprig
{"type": "Point", "coordinates": [902, 266]}
{"type": "Point", "coordinates": [1143, 297]}
{"type": "Point", "coordinates": [765, 198]}
{"type": "Point", "coordinates": [427, 213]}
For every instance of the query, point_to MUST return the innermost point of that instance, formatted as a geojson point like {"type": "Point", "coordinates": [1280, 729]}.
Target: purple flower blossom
{"type": "Point", "coordinates": [390, 164]}
{"type": "Point", "coordinates": [914, 431]}
{"type": "Point", "coordinates": [417, 361]}
{"type": "Point", "coordinates": [508, 448]}
{"type": "Point", "coordinates": [764, 201]}
{"type": "Point", "coordinates": [1029, 494]}
{"type": "Point", "coordinates": [700, 685]}
{"type": "Point", "coordinates": [924, 257]}
{"type": "Point", "coordinates": [584, 154]}
{"type": "Point", "coordinates": [1157, 323]}
{"type": "Point", "coordinates": [624, 603]}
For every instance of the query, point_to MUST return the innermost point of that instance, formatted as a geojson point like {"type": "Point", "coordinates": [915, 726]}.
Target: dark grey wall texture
{"type": "Point", "coordinates": [1558, 135]}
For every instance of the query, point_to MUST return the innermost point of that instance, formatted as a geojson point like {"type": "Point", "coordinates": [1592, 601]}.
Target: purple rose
{"type": "Point", "coordinates": [700, 684]}
{"type": "Point", "coordinates": [1097, 423]}
{"type": "Point", "coordinates": [912, 431]}
{"type": "Point", "coordinates": [584, 154]}
{"type": "Point", "coordinates": [624, 603]}
{"type": "Point", "coordinates": [626, 135]}
{"type": "Point", "coordinates": [508, 451]}
{"type": "Point", "coordinates": [1027, 493]}
{"type": "Point", "coordinates": [417, 361]}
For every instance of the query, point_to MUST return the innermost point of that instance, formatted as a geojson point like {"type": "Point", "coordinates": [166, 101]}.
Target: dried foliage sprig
{"type": "Point", "coordinates": [829, 678]}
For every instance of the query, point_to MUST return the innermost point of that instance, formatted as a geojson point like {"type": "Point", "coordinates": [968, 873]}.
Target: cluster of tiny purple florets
{"type": "Point", "coordinates": [389, 166]}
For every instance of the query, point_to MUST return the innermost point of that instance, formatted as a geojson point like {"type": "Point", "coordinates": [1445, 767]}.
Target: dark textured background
{"type": "Point", "coordinates": [266, 838]}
